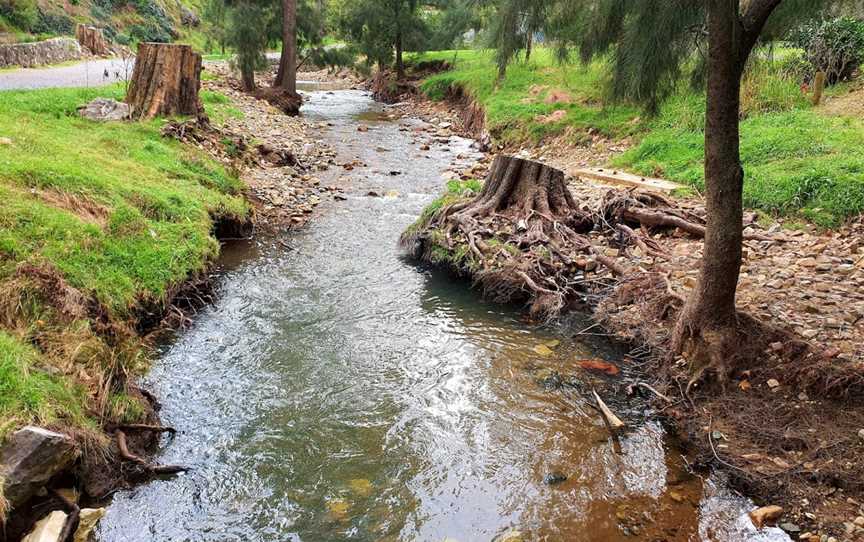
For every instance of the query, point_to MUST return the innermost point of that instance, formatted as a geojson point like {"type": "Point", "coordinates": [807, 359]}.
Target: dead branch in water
{"type": "Point", "coordinates": [154, 468]}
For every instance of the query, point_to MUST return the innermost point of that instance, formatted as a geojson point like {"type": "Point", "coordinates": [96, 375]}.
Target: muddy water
{"type": "Point", "coordinates": [337, 392]}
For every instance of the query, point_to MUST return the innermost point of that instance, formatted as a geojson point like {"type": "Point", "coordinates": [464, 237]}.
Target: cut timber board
{"type": "Point", "coordinates": [614, 176]}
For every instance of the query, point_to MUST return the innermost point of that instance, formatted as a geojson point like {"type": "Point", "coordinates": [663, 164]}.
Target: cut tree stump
{"type": "Point", "coordinates": [92, 38]}
{"type": "Point", "coordinates": [165, 81]}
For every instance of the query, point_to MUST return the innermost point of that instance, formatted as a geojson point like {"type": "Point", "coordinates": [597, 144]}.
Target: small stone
{"type": "Point", "coordinates": [5, 140]}
{"type": "Point", "coordinates": [554, 478]}
{"type": "Point", "coordinates": [773, 383]}
{"type": "Point", "coordinates": [362, 128]}
{"type": "Point", "coordinates": [765, 515]}
{"type": "Point", "coordinates": [790, 527]}
{"type": "Point", "coordinates": [861, 434]}
{"type": "Point", "coordinates": [543, 350]}
{"type": "Point", "coordinates": [859, 521]}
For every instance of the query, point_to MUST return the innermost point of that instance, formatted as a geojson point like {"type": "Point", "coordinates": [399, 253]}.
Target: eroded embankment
{"type": "Point", "coordinates": [107, 240]}
{"type": "Point", "coordinates": [786, 426]}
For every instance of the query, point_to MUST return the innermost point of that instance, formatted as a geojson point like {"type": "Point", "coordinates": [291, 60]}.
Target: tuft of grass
{"type": "Point", "coordinates": [28, 394]}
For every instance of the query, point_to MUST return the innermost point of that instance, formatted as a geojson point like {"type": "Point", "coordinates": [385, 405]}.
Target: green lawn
{"type": "Point", "coordinates": [797, 161]}
{"type": "Point", "coordinates": [120, 213]}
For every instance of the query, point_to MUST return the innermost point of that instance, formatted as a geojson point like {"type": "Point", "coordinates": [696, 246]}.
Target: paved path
{"type": "Point", "coordinates": [90, 73]}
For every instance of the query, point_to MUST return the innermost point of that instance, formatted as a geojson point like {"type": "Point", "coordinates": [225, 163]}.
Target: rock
{"type": "Point", "coordinates": [599, 365]}
{"type": "Point", "coordinates": [48, 528]}
{"type": "Point", "coordinates": [859, 521]}
{"type": "Point", "coordinates": [88, 520]}
{"type": "Point", "coordinates": [543, 350]}
{"type": "Point", "coordinates": [554, 478]}
{"type": "Point", "coordinates": [189, 17]}
{"type": "Point", "coordinates": [31, 457]}
{"type": "Point", "coordinates": [362, 128]}
{"type": "Point", "coordinates": [512, 535]}
{"type": "Point", "coordinates": [5, 140]}
{"type": "Point", "coordinates": [773, 383]}
{"type": "Point", "coordinates": [790, 527]}
{"type": "Point", "coordinates": [765, 516]}
{"type": "Point", "coordinates": [861, 434]}
{"type": "Point", "coordinates": [105, 109]}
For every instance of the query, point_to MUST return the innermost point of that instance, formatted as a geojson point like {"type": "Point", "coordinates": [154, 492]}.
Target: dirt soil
{"type": "Point", "coordinates": [790, 429]}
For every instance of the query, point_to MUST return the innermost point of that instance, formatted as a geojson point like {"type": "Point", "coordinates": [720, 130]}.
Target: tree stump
{"type": "Point", "coordinates": [165, 81]}
{"type": "Point", "coordinates": [92, 38]}
{"type": "Point", "coordinates": [527, 189]}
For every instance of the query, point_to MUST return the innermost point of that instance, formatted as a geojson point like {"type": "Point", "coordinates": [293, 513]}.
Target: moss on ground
{"type": "Point", "coordinates": [96, 222]}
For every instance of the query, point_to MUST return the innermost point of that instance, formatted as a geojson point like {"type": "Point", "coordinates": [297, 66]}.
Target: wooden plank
{"type": "Point", "coordinates": [614, 176]}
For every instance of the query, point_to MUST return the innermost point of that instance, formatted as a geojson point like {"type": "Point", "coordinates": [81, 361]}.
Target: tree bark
{"type": "Point", "coordinates": [707, 332]}
{"type": "Point", "coordinates": [165, 81]}
{"type": "Point", "coordinates": [400, 62]}
{"type": "Point", "coordinates": [529, 43]}
{"type": "Point", "coordinates": [91, 38]}
{"type": "Point", "coordinates": [286, 77]}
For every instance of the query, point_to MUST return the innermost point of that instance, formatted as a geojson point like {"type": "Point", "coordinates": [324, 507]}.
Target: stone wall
{"type": "Point", "coordinates": [38, 53]}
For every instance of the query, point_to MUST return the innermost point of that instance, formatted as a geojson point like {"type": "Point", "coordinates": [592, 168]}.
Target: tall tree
{"type": "Point", "coordinates": [286, 77]}
{"type": "Point", "coordinates": [650, 42]}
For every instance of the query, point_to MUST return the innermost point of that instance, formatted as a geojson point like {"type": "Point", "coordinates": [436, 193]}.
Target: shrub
{"type": "Point", "coordinates": [22, 14]}
{"type": "Point", "coordinates": [50, 23]}
{"type": "Point", "coordinates": [834, 46]}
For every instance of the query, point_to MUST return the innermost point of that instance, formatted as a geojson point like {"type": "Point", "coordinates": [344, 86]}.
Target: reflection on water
{"type": "Point", "coordinates": [336, 392]}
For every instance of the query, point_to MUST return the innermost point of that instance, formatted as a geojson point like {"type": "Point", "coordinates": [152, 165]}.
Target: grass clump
{"type": "Point", "coordinates": [99, 224]}
{"type": "Point", "coordinates": [30, 395]}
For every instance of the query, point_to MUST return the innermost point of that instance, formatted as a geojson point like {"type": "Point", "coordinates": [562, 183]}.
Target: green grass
{"type": "Point", "coordinates": [158, 198]}
{"type": "Point", "coordinates": [514, 106]}
{"type": "Point", "coordinates": [30, 395]}
{"type": "Point", "coordinates": [121, 214]}
{"type": "Point", "coordinates": [797, 162]}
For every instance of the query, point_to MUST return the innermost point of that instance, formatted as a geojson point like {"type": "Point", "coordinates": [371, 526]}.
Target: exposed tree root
{"type": "Point", "coordinates": [72, 519]}
{"type": "Point", "coordinates": [125, 454]}
{"type": "Point", "coordinates": [284, 100]}
{"type": "Point", "coordinates": [651, 210]}
{"type": "Point", "coordinates": [522, 237]}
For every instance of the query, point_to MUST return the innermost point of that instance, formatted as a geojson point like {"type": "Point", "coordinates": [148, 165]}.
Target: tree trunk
{"type": "Point", "coordinates": [529, 43]}
{"type": "Point", "coordinates": [706, 332]}
{"type": "Point", "coordinates": [91, 38]}
{"type": "Point", "coordinates": [526, 188]}
{"type": "Point", "coordinates": [247, 79]}
{"type": "Point", "coordinates": [286, 77]}
{"type": "Point", "coordinates": [165, 81]}
{"type": "Point", "coordinates": [400, 62]}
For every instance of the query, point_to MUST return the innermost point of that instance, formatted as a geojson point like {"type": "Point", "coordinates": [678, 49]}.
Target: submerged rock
{"type": "Point", "coordinates": [88, 520]}
{"type": "Point", "coordinates": [31, 457]}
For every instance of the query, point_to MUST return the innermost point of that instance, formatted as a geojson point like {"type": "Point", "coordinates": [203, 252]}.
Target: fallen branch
{"type": "Point", "coordinates": [155, 469]}
{"type": "Point", "coordinates": [612, 421]}
{"type": "Point", "coordinates": [145, 427]}
{"type": "Point", "coordinates": [649, 388]}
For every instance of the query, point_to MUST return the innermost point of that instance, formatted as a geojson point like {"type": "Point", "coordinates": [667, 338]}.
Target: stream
{"type": "Point", "coordinates": [336, 391]}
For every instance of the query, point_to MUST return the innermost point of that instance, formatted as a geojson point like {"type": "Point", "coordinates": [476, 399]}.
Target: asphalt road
{"type": "Point", "coordinates": [89, 73]}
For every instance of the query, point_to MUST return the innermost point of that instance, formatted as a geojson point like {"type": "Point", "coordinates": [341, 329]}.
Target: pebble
{"type": "Point", "coordinates": [861, 434]}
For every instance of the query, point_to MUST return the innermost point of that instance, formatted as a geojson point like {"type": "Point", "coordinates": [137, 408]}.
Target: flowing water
{"type": "Point", "coordinates": [335, 391]}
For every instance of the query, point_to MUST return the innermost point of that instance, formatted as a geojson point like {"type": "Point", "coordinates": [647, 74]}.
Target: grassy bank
{"type": "Point", "coordinates": [797, 160]}
{"type": "Point", "coordinates": [99, 225]}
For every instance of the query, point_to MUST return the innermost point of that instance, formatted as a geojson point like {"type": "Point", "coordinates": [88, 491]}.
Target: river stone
{"type": "Point", "coordinates": [105, 109]}
{"type": "Point", "coordinates": [88, 520]}
{"type": "Point", "coordinates": [48, 528]}
{"type": "Point", "coordinates": [31, 457]}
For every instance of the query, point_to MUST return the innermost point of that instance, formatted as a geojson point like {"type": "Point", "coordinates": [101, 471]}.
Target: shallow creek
{"type": "Point", "coordinates": [335, 391]}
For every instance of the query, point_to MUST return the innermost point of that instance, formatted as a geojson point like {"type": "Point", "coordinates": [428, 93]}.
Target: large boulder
{"type": "Point", "coordinates": [48, 528]}
{"type": "Point", "coordinates": [30, 458]}
{"type": "Point", "coordinates": [88, 520]}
